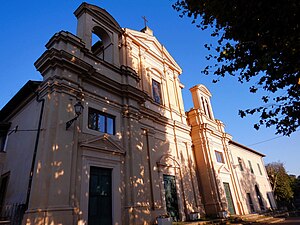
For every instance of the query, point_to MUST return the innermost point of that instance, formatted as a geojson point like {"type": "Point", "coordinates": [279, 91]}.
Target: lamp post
{"type": "Point", "coordinates": [78, 107]}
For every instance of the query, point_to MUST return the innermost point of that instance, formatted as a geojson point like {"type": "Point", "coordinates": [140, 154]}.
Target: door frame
{"type": "Point", "coordinates": [250, 202]}
{"type": "Point", "coordinates": [115, 165]}
{"type": "Point", "coordinates": [167, 165]}
{"type": "Point", "coordinates": [176, 193]}
{"type": "Point", "coordinates": [100, 172]}
{"type": "Point", "coordinates": [231, 198]}
{"type": "Point", "coordinates": [259, 198]}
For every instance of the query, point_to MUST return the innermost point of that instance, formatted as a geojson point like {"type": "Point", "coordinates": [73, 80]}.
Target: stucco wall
{"type": "Point", "coordinates": [247, 180]}
{"type": "Point", "coordinates": [19, 152]}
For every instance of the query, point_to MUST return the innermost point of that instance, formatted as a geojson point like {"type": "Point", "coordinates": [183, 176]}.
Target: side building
{"type": "Point", "coordinates": [232, 177]}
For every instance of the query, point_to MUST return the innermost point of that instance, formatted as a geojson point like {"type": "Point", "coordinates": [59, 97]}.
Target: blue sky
{"type": "Point", "coordinates": [26, 26]}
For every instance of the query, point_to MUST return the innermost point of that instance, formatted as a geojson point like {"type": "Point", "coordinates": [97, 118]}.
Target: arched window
{"type": "Point", "coordinates": [208, 109]}
{"type": "Point", "coordinates": [101, 44]}
{"type": "Point", "coordinates": [156, 91]}
{"type": "Point", "coordinates": [203, 105]}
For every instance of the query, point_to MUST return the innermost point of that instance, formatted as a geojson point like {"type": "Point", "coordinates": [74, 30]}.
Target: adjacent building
{"type": "Point", "coordinates": [105, 139]}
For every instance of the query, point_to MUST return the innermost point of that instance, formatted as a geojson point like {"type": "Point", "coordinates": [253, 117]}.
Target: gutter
{"type": "Point", "coordinates": [35, 150]}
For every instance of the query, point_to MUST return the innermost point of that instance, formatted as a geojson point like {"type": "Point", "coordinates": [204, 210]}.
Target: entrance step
{"type": "Point", "coordinates": [267, 218]}
{"type": "Point", "coordinates": [212, 222]}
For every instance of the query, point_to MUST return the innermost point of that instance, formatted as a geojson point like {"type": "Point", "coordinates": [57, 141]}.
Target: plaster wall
{"type": "Point", "coordinates": [247, 180]}
{"type": "Point", "coordinates": [19, 151]}
{"type": "Point", "coordinates": [20, 143]}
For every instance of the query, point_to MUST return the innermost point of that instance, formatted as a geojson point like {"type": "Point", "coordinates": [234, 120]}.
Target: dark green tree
{"type": "Point", "coordinates": [257, 41]}
{"type": "Point", "coordinates": [281, 183]}
{"type": "Point", "coordinates": [295, 184]}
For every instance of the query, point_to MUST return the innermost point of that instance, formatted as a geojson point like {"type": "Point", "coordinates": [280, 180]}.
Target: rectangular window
{"type": "Point", "coordinates": [156, 91]}
{"type": "Point", "coordinates": [219, 157]}
{"type": "Point", "coordinates": [259, 169]}
{"type": "Point", "coordinates": [3, 137]}
{"type": "Point", "coordinates": [100, 121]}
{"type": "Point", "coordinates": [240, 164]}
{"type": "Point", "coordinates": [250, 167]}
{"type": "Point", "coordinates": [3, 187]}
{"type": "Point", "coordinates": [4, 127]}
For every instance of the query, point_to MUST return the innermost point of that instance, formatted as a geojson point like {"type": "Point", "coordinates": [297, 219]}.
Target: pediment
{"type": "Point", "coordinates": [204, 89]}
{"type": "Point", "coordinates": [223, 169]}
{"type": "Point", "coordinates": [103, 143]}
{"type": "Point", "coordinates": [154, 46]}
{"type": "Point", "coordinates": [168, 160]}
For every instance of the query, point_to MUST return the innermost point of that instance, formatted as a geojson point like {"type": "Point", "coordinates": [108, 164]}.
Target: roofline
{"type": "Point", "coordinates": [131, 33]}
{"type": "Point", "coordinates": [247, 148]}
{"type": "Point", "coordinates": [16, 101]}
{"type": "Point", "coordinates": [98, 13]}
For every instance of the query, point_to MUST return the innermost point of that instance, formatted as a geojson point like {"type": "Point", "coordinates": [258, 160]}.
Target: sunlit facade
{"type": "Point", "coordinates": [132, 155]}
{"type": "Point", "coordinates": [232, 176]}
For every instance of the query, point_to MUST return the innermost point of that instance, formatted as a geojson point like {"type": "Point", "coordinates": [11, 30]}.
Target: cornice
{"type": "Point", "coordinates": [66, 37]}
{"type": "Point", "coordinates": [60, 58]}
{"type": "Point", "coordinates": [98, 13]}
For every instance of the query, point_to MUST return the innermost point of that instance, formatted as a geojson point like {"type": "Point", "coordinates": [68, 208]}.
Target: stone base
{"type": "Point", "coordinates": [62, 216]}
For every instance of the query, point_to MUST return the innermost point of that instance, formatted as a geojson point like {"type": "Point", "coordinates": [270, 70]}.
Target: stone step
{"type": "Point", "coordinates": [267, 218]}
{"type": "Point", "coordinates": [249, 216]}
{"type": "Point", "coordinates": [277, 220]}
{"type": "Point", "coordinates": [208, 222]}
{"type": "Point", "coordinates": [264, 219]}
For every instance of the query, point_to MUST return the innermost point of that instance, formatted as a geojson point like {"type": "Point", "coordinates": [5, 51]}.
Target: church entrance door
{"type": "Point", "coordinates": [229, 198]}
{"type": "Point", "coordinates": [100, 196]}
{"type": "Point", "coordinates": [171, 196]}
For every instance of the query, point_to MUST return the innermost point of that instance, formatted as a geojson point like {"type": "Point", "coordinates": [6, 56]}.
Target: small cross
{"type": "Point", "coordinates": [145, 20]}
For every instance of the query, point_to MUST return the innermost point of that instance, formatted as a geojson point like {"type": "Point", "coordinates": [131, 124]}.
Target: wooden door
{"type": "Point", "coordinates": [229, 198]}
{"type": "Point", "coordinates": [100, 196]}
{"type": "Point", "coordinates": [171, 196]}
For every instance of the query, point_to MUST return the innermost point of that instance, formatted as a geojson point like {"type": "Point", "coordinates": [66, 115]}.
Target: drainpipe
{"type": "Point", "coordinates": [35, 150]}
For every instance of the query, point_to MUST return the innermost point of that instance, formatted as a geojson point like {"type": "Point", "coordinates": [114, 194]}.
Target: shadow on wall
{"type": "Point", "coordinates": [251, 193]}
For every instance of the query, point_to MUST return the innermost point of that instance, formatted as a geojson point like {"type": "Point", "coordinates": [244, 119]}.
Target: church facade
{"type": "Point", "coordinates": [105, 139]}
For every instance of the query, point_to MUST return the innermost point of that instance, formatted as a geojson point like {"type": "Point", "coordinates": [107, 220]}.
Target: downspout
{"type": "Point", "coordinates": [35, 150]}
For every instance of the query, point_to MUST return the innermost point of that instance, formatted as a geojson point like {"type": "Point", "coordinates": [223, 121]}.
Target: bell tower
{"type": "Point", "coordinates": [201, 99]}
{"type": "Point", "coordinates": [99, 31]}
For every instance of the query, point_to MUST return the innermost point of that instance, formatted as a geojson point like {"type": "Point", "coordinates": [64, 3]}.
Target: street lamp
{"type": "Point", "coordinates": [78, 110]}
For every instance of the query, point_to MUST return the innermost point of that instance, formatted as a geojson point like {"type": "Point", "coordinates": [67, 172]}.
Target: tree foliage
{"type": "Point", "coordinates": [280, 182]}
{"type": "Point", "coordinates": [295, 184]}
{"type": "Point", "coordinates": [257, 41]}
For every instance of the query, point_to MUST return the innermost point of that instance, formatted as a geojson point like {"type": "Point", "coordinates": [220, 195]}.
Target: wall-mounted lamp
{"type": "Point", "coordinates": [78, 110]}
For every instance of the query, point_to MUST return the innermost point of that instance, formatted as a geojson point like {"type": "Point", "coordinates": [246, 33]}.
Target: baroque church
{"type": "Point", "coordinates": [105, 139]}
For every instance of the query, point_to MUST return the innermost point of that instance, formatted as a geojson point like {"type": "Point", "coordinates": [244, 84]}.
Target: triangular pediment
{"type": "Point", "coordinates": [103, 143]}
{"type": "Point", "coordinates": [152, 45]}
{"type": "Point", "coordinates": [168, 160]}
{"type": "Point", "coordinates": [204, 89]}
{"type": "Point", "coordinates": [223, 169]}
